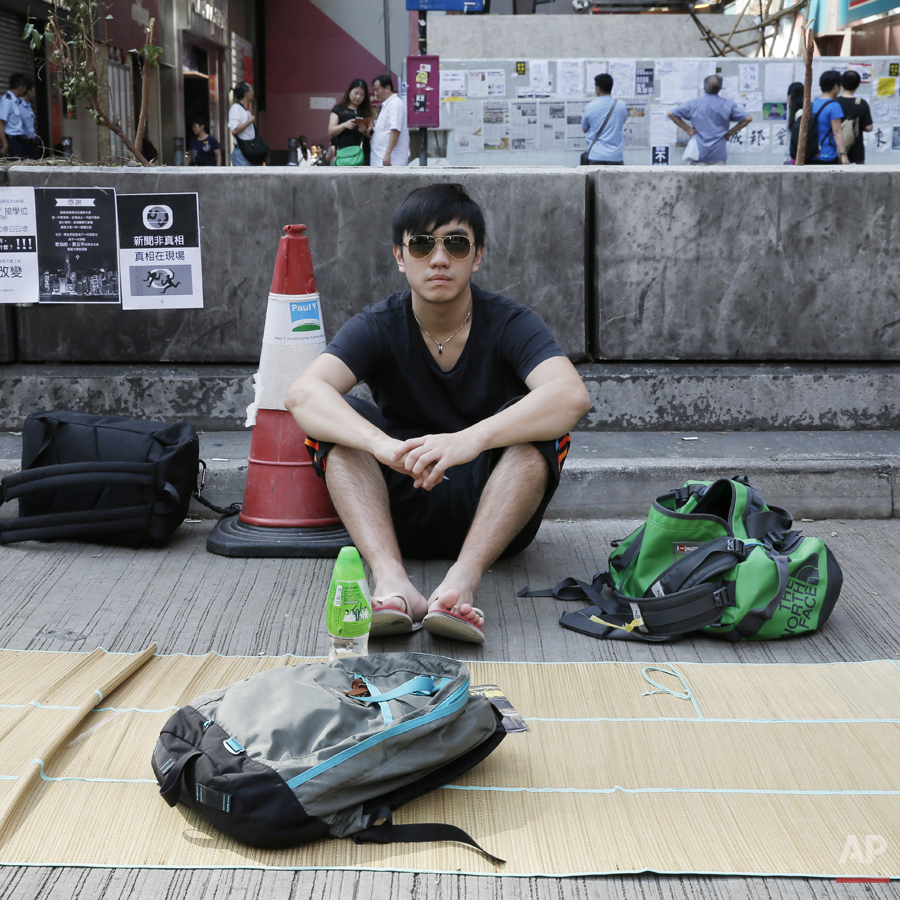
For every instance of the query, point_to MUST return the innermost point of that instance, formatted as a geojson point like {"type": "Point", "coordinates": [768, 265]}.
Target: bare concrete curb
{"type": "Point", "coordinates": [625, 488]}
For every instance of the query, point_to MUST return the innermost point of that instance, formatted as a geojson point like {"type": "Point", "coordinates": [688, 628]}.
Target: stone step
{"type": "Point", "coordinates": [626, 396]}
{"type": "Point", "coordinates": [815, 475]}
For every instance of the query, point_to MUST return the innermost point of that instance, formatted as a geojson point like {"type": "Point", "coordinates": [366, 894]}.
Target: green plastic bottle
{"type": "Point", "coordinates": [348, 609]}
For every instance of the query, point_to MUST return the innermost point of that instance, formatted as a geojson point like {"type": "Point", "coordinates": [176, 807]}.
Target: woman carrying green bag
{"type": "Point", "coordinates": [349, 123]}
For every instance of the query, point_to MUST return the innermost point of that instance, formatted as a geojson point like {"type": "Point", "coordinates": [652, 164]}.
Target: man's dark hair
{"type": "Point", "coordinates": [604, 82]}
{"type": "Point", "coordinates": [850, 80]}
{"type": "Point", "coordinates": [431, 207]}
{"type": "Point", "coordinates": [17, 80]}
{"type": "Point", "coordinates": [829, 80]}
{"type": "Point", "coordinates": [201, 122]}
{"type": "Point", "coordinates": [712, 84]}
{"type": "Point", "coordinates": [385, 81]}
{"type": "Point", "coordinates": [241, 91]}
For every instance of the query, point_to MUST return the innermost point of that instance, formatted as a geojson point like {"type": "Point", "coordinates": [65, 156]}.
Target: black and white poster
{"type": "Point", "coordinates": [77, 241]}
{"type": "Point", "coordinates": [660, 156]}
{"type": "Point", "coordinates": [159, 251]}
{"type": "Point", "coordinates": [18, 246]}
{"type": "Point", "coordinates": [643, 82]}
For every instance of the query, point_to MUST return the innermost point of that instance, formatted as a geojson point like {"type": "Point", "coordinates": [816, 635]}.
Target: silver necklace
{"type": "Point", "coordinates": [440, 344]}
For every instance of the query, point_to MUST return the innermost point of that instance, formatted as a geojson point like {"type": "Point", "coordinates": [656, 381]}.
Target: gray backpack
{"type": "Point", "coordinates": [302, 752]}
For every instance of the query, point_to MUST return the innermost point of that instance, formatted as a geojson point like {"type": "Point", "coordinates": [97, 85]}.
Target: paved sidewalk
{"type": "Point", "coordinates": [76, 597]}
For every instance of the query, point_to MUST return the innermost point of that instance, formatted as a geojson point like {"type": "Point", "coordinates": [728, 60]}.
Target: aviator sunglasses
{"type": "Point", "coordinates": [421, 245]}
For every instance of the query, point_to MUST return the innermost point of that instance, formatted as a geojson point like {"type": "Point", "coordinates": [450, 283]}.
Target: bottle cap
{"type": "Point", "coordinates": [349, 566]}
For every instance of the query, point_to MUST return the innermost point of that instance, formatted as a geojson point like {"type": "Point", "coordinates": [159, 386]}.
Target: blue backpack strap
{"type": "Point", "coordinates": [421, 685]}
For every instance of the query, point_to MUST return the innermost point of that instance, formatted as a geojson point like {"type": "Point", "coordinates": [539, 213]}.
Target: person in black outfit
{"type": "Point", "coordinates": [345, 129]}
{"type": "Point", "coordinates": [461, 451]}
{"type": "Point", "coordinates": [855, 108]}
{"type": "Point", "coordinates": [205, 149]}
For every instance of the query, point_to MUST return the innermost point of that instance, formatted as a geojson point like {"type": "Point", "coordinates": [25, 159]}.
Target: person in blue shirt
{"type": "Point", "coordinates": [606, 150]}
{"type": "Point", "coordinates": [710, 116]}
{"type": "Point", "coordinates": [829, 114]}
{"type": "Point", "coordinates": [17, 135]}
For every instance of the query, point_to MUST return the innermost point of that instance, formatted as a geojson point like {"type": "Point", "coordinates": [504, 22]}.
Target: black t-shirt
{"type": "Point", "coordinates": [383, 347]}
{"type": "Point", "coordinates": [352, 137]}
{"type": "Point", "coordinates": [856, 107]}
{"type": "Point", "coordinates": [203, 153]}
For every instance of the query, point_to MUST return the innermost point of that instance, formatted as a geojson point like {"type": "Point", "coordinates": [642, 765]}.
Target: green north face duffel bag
{"type": "Point", "coordinates": [713, 557]}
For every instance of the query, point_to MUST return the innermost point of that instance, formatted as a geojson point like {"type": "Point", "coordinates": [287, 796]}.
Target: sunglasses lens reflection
{"type": "Point", "coordinates": [422, 245]}
{"type": "Point", "coordinates": [457, 245]}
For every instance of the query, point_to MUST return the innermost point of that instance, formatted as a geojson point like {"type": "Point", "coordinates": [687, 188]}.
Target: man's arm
{"type": "Point", "coordinates": [839, 140]}
{"type": "Point", "coordinates": [556, 400]}
{"type": "Point", "coordinates": [218, 154]}
{"type": "Point", "coordinates": [237, 129]}
{"type": "Point", "coordinates": [682, 124]}
{"type": "Point", "coordinates": [742, 124]}
{"type": "Point", "coordinates": [392, 142]}
{"type": "Point", "coordinates": [317, 404]}
{"type": "Point", "coordinates": [4, 144]}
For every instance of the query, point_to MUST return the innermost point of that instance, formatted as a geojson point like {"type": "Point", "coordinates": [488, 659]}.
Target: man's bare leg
{"type": "Point", "coordinates": [510, 498]}
{"type": "Point", "coordinates": [360, 496]}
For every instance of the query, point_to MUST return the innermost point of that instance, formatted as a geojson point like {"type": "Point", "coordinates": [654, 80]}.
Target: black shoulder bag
{"type": "Point", "coordinates": [101, 478]}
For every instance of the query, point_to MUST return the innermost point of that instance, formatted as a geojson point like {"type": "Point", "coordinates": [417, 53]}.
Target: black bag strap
{"type": "Point", "coordinates": [387, 833]}
{"type": "Point", "coordinates": [705, 562]}
{"type": "Point", "coordinates": [594, 141]}
{"type": "Point", "coordinates": [81, 523]}
{"type": "Point", "coordinates": [756, 618]}
{"type": "Point", "coordinates": [41, 478]}
{"type": "Point", "coordinates": [679, 612]}
{"type": "Point", "coordinates": [567, 589]}
{"type": "Point", "coordinates": [171, 766]}
{"type": "Point", "coordinates": [74, 525]}
{"type": "Point", "coordinates": [230, 510]}
{"type": "Point", "coordinates": [655, 619]}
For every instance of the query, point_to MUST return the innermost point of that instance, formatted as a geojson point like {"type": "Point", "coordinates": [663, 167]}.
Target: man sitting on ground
{"type": "Point", "coordinates": [462, 451]}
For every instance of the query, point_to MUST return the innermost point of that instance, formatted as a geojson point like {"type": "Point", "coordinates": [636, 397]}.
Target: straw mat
{"type": "Point", "coordinates": [733, 769]}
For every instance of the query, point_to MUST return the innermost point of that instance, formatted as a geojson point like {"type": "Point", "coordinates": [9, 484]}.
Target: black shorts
{"type": "Point", "coordinates": [434, 524]}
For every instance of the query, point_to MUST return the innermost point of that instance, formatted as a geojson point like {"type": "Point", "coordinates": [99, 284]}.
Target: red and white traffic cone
{"type": "Point", "coordinates": [287, 511]}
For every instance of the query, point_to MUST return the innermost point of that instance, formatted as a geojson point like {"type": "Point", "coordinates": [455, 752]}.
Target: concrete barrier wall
{"type": "Point", "coordinates": [536, 253]}
{"type": "Point", "coordinates": [733, 263]}
{"type": "Point", "coordinates": [718, 264]}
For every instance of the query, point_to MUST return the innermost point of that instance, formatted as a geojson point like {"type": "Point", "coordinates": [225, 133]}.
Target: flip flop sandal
{"type": "Point", "coordinates": [391, 619]}
{"type": "Point", "coordinates": [452, 625]}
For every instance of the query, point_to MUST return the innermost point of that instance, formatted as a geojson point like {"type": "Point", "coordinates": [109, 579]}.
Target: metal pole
{"type": "Point", "coordinates": [423, 49]}
{"type": "Point", "coordinates": [387, 37]}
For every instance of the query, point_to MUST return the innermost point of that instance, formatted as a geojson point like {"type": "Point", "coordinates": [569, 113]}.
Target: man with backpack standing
{"type": "Point", "coordinates": [857, 118]}
{"type": "Point", "coordinates": [826, 114]}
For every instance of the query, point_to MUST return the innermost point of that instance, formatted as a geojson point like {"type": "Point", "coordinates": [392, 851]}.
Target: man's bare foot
{"type": "Point", "coordinates": [416, 606]}
{"type": "Point", "coordinates": [449, 601]}
{"type": "Point", "coordinates": [448, 617]}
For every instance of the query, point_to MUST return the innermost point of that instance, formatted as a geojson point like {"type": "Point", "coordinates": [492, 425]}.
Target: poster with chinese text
{"type": "Point", "coordinates": [159, 251]}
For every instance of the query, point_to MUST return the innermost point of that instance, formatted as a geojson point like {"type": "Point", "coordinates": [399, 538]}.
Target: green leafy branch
{"type": "Point", "coordinates": [77, 59]}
